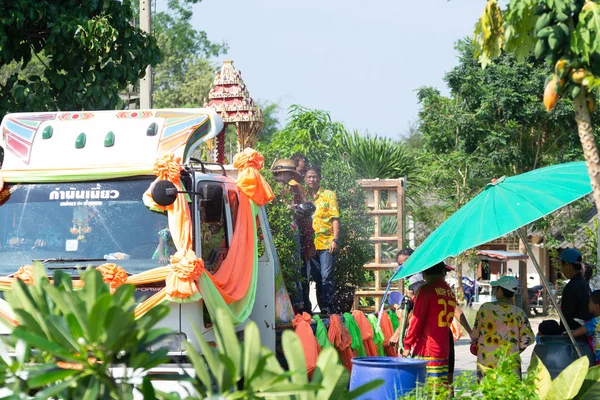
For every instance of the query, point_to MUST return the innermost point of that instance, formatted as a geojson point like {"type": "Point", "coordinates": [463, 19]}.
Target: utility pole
{"type": "Point", "coordinates": [146, 81]}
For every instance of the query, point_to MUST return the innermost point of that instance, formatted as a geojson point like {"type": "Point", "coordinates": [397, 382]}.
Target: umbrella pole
{"type": "Point", "coordinates": [548, 291]}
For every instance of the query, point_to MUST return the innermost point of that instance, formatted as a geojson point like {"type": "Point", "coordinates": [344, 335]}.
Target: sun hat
{"type": "Point", "coordinates": [570, 256]}
{"type": "Point", "coordinates": [507, 282]}
{"type": "Point", "coordinates": [415, 282]}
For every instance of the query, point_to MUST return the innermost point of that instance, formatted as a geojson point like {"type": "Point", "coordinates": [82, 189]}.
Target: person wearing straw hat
{"type": "Point", "coordinates": [284, 172]}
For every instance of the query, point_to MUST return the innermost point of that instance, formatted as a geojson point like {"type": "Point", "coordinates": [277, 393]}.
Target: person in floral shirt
{"type": "Point", "coordinates": [326, 223]}
{"type": "Point", "coordinates": [501, 323]}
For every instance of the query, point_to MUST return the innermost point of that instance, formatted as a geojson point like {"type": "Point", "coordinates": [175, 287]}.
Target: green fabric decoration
{"type": "Point", "coordinates": [357, 344]}
{"type": "Point", "coordinates": [378, 337]}
{"type": "Point", "coordinates": [394, 319]}
{"type": "Point", "coordinates": [321, 333]}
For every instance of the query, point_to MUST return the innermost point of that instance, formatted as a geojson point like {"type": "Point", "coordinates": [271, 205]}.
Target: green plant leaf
{"type": "Point", "coordinates": [569, 381]}
{"type": "Point", "coordinates": [42, 343]}
{"type": "Point", "coordinates": [544, 380]}
{"type": "Point", "coordinates": [287, 389]}
{"type": "Point", "coordinates": [54, 390]}
{"type": "Point", "coordinates": [252, 354]}
{"type": "Point", "coordinates": [200, 367]}
{"type": "Point", "coordinates": [228, 376]}
{"type": "Point", "coordinates": [363, 389]}
{"type": "Point", "coordinates": [147, 389]}
{"type": "Point", "coordinates": [49, 374]}
{"type": "Point", "coordinates": [97, 316]}
{"type": "Point", "coordinates": [590, 390]}
{"type": "Point", "coordinates": [328, 372]}
{"type": "Point", "coordinates": [294, 355]}
{"type": "Point", "coordinates": [93, 389]}
{"type": "Point", "coordinates": [227, 341]}
{"type": "Point", "coordinates": [210, 355]}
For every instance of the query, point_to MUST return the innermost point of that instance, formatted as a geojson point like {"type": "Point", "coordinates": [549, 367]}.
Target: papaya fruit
{"type": "Point", "coordinates": [561, 68]}
{"type": "Point", "coordinates": [543, 33]}
{"type": "Point", "coordinates": [562, 17]}
{"type": "Point", "coordinates": [540, 48]}
{"type": "Point", "coordinates": [550, 95]}
{"type": "Point", "coordinates": [574, 92]}
{"type": "Point", "coordinates": [542, 22]}
{"type": "Point", "coordinates": [553, 41]}
{"type": "Point", "coordinates": [578, 75]}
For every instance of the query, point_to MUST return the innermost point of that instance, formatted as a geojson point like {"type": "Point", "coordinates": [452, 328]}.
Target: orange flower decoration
{"type": "Point", "coordinates": [249, 158]}
{"type": "Point", "coordinates": [250, 181]}
{"type": "Point", "coordinates": [168, 167]}
{"type": "Point", "coordinates": [182, 281]}
{"type": "Point", "coordinates": [112, 274]}
{"type": "Point", "coordinates": [25, 273]}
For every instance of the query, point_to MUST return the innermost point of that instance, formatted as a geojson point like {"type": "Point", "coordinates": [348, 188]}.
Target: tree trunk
{"type": "Point", "coordinates": [588, 143]}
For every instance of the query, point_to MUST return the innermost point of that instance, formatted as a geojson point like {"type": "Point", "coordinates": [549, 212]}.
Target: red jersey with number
{"type": "Point", "coordinates": [432, 316]}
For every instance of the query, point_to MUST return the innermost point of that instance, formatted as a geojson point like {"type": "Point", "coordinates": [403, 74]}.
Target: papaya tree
{"type": "Point", "coordinates": [564, 33]}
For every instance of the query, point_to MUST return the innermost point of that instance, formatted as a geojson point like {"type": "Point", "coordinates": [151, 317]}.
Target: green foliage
{"type": "Point", "coordinates": [249, 370]}
{"type": "Point", "coordinates": [184, 76]}
{"type": "Point", "coordinates": [271, 123]}
{"type": "Point", "coordinates": [90, 330]}
{"type": "Point", "coordinates": [577, 381]}
{"type": "Point", "coordinates": [280, 219]}
{"type": "Point", "coordinates": [492, 124]}
{"type": "Point", "coordinates": [375, 157]}
{"type": "Point", "coordinates": [356, 224]}
{"type": "Point", "coordinates": [311, 132]}
{"type": "Point", "coordinates": [89, 49]}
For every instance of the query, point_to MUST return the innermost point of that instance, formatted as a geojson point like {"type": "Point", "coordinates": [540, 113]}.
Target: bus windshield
{"type": "Point", "coordinates": [83, 221]}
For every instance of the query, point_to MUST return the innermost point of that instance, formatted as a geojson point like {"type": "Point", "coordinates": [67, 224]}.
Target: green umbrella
{"type": "Point", "coordinates": [503, 206]}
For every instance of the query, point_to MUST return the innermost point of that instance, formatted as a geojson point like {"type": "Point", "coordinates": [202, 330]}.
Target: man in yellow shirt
{"type": "Point", "coordinates": [326, 223]}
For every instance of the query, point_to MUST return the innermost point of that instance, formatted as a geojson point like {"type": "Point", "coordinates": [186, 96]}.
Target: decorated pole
{"type": "Point", "coordinates": [230, 98]}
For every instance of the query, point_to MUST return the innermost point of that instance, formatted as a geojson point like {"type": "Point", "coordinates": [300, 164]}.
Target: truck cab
{"type": "Point", "coordinates": [73, 198]}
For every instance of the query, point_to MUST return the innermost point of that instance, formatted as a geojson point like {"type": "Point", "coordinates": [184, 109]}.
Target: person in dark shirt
{"type": "Point", "coordinates": [576, 294]}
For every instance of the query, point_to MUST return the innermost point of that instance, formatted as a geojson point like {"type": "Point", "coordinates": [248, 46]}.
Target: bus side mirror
{"type": "Point", "coordinates": [210, 198]}
{"type": "Point", "coordinates": [164, 193]}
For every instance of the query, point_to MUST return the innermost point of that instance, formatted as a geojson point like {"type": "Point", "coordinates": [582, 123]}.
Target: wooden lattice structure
{"type": "Point", "coordinates": [385, 199]}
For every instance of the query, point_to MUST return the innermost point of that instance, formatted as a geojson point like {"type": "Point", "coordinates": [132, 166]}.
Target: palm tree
{"type": "Point", "coordinates": [377, 157]}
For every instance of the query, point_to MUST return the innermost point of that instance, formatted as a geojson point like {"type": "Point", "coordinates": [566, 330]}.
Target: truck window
{"type": "Point", "coordinates": [82, 220]}
{"type": "Point", "coordinates": [213, 225]}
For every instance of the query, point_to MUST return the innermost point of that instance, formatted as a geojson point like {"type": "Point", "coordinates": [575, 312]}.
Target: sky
{"type": "Point", "coordinates": [362, 61]}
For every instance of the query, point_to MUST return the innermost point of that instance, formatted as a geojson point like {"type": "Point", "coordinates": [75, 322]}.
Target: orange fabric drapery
{"type": "Point", "coordinates": [182, 280]}
{"type": "Point", "coordinates": [112, 274]}
{"type": "Point", "coordinates": [340, 337]}
{"type": "Point", "coordinates": [168, 167]}
{"type": "Point", "coordinates": [366, 331]}
{"type": "Point", "coordinates": [388, 330]}
{"type": "Point", "coordinates": [233, 277]}
{"type": "Point", "coordinates": [250, 181]}
{"type": "Point", "coordinates": [301, 324]}
{"type": "Point", "coordinates": [152, 301]}
{"type": "Point", "coordinates": [25, 273]}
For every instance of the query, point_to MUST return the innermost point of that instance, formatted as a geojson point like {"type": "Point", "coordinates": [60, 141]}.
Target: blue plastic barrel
{"type": "Point", "coordinates": [400, 375]}
{"type": "Point", "coordinates": [557, 352]}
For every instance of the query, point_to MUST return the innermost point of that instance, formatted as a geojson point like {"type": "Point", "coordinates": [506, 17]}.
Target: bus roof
{"type": "Point", "coordinates": [103, 138]}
